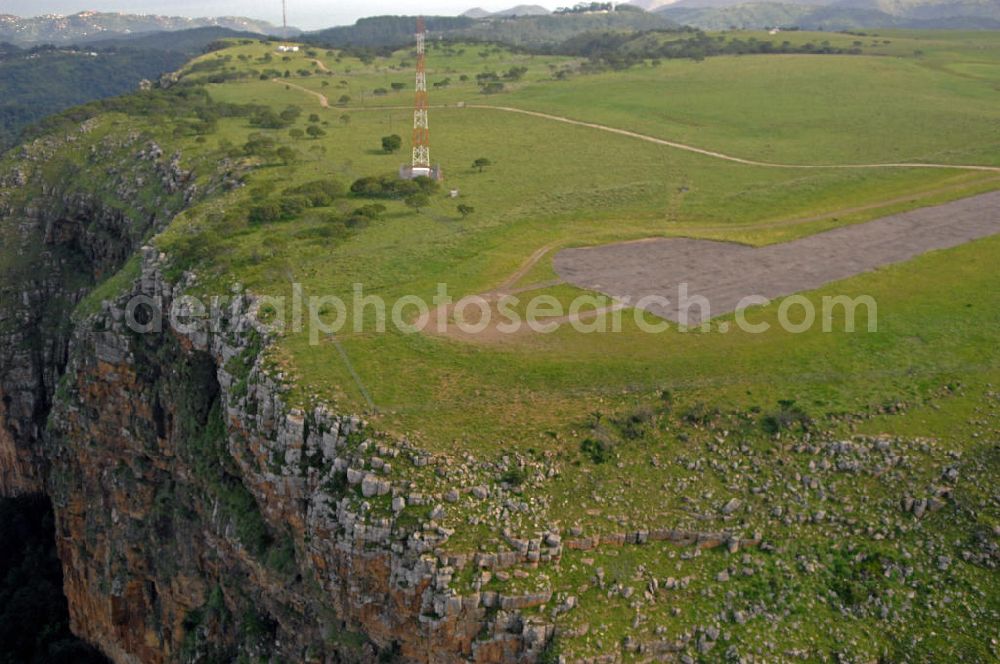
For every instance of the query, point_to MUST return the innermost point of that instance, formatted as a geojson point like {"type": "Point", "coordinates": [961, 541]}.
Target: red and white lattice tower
{"type": "Point", "coordinates": [421, 126]}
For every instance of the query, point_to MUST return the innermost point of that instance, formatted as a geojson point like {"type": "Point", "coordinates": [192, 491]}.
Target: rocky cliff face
{"type": "Point", "coordinates": [214, 518]}
{"type": "Point", "coordinates": [59, 239]}
{"type": "Point", "coordinates": [199, 517]}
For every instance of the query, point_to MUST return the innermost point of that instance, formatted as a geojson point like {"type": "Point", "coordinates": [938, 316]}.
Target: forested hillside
{"type": "Point", "coordinates": [89, 26]}
{"type": "Point", "coordinates": [39, 82]}
{"type": "Point", "coordinates": [36, 83]}
{"type": "Point", "coordinates": [525, 31]}
{"type": "Point", "coordinates": [846, 15]}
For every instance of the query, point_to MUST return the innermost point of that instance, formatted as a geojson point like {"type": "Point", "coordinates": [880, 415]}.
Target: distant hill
{"type": "Point", "coordinates": [191, 42]}
{"type": "Point", "coordinates": [526, 31]}
{"type": "Point", "coordinates": [476, 12]}
{"type": "Point", "coordinates": [386, 31]}
{"type": "Point", "coordinates": [663, 4]}
{"type": "Point", "coordinates": [538, 31]}
{"type": "Point", "coordinates": [89, 26]}
{"type": "Point", "coordinates": [927, 9]}
{"type": "Point", "coordinates": [520, 10]}
{"type": "Point", "coordinates": [841, 15]}
{"type": "Point", "coordinates": [743, 16]}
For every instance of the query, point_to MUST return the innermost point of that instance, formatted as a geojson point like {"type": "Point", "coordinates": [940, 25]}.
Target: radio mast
{"type": "Point", "coordinates": [420, 165]}
{"type": "Point", "coordinates": [421, 125]}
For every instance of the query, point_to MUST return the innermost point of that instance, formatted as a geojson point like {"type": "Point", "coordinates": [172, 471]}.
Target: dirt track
{"type": "Point", "coordinates": [324, 102]}
{"type": "Point", "coordinates": [724, 273]}
{"type": "Point", "coordinates": [320, 97]}
{"type": "Point", "coordinates": [721, 155]}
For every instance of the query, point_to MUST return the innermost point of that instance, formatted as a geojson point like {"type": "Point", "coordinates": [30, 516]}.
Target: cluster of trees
{"type": "Point", "coordinates": [620, 50]}
{"type": "Point", "coordinates": [265, 118]}
{"type": "Point", "coordinates": [491, 82]}
{"type": "Point", "coordinates": [217, 70]}
{"type": "Point", "coordinates": [294, 201]}
{"type": "Point", "coordinates": [391, 187]}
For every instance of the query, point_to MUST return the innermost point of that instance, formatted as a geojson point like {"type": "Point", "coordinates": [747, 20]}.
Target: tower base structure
{"type": "Point", "coordinates": [408, 172]}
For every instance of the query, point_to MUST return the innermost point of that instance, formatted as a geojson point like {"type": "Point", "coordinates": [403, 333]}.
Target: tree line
{"type": "Point", "coordinates": [620, 50]}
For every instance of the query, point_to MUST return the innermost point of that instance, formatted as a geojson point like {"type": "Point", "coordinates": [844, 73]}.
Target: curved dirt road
{"type": "Point", "coordinates": [674, 144]}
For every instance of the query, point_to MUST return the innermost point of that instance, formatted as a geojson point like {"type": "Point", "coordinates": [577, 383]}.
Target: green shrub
{"type": "Point", "coordinates": [281, 557]}
{"type": "Point", "coordinates": [371, 211]}
{"type": "Point", "coordinates": [514, 476]}
{"type": "Point", "coordinates": [786, 417]}
{"type": "Point", "coordinates": [320, 193]}
{"type": "Point", "coordinates": [282, 209]}
{"type": "Point", "coordinates": [598, 451]}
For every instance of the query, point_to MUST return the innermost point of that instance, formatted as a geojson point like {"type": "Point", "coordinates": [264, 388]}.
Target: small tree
{"type": "Point", "coordinates": [345, 119]}
{"type": "Point", "coordinates": [465, 210]}
{"type": "Point", "coordinates": [297, 134]}
{"type": "Point", "coordinates": [314, 131]}
{"type": "Point", "coordinates": [391, 143]}
{"type": "Point", "coordinates": [417, 201]}
{"type": "Point", "coordinates": [291, 113]}
{"type": "Point", "coordinates": [398, 86]}
{"type": "Point", "coordinates": [314, 118]}
{"type": "Point", "coordinates": [481, 164]}
{"type": "Point", "coordinates": [287, 155]}
{"type": "Point", "coordinates": [344, 100]}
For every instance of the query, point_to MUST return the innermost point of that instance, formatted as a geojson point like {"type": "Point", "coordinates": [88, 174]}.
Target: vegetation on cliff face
{"type": "Point", "coordinates": [34, 621]}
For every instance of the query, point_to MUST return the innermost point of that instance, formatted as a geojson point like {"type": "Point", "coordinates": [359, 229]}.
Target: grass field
{"type": "Point", "coordinates": [599, 187]}
{"type": "Point", "coordinates": [886, 105]}
{"type": "Point", "coordinates": [912, 96]}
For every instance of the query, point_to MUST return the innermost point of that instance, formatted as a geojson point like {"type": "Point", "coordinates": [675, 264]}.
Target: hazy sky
{"type": "Point", "coordinates": [308, 14]}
